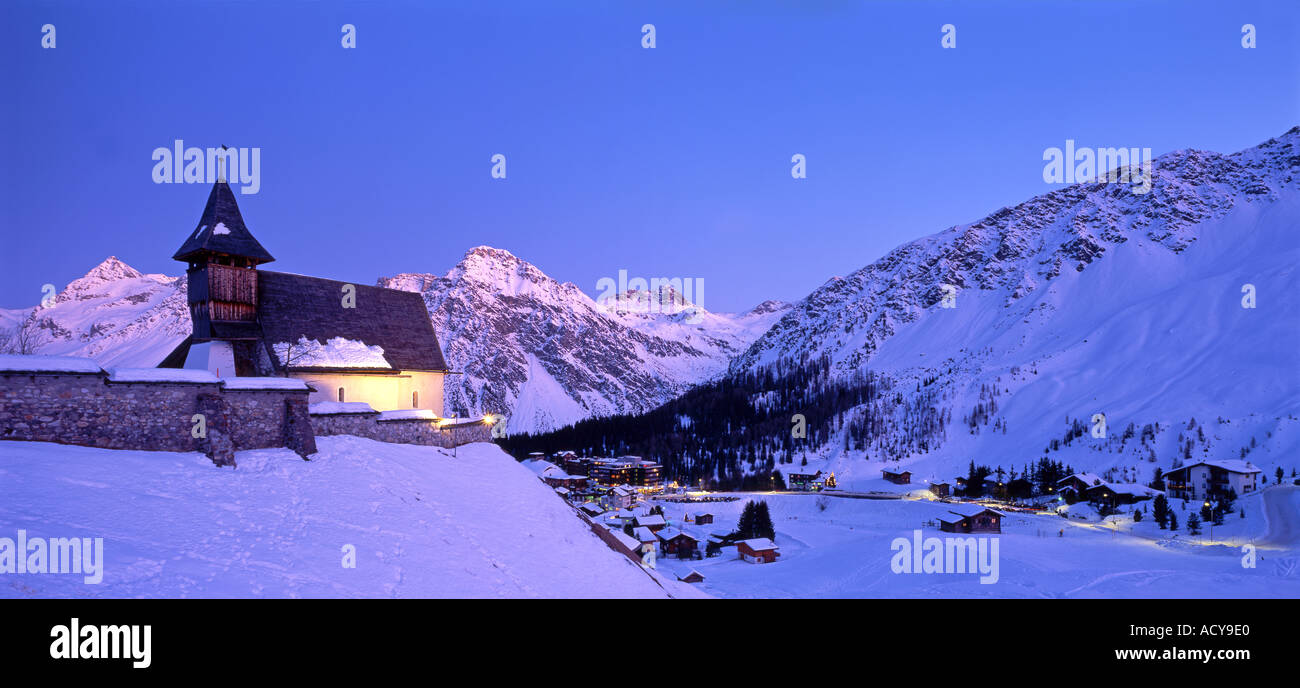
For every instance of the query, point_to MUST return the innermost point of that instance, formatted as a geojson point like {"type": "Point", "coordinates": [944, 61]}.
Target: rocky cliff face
{"type": "Point", "coordinates": [547, 355]}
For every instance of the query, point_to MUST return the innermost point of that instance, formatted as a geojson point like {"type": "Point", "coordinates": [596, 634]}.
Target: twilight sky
{"type": "Point", "coordinates": [671, 162]}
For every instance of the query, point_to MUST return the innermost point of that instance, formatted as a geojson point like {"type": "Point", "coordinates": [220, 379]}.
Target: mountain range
{"type": "Point", "coordinates": [1088, 302]}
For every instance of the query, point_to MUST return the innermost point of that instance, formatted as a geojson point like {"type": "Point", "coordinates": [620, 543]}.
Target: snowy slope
{"type": "Point", "coordinates": [1087, 300]}
{"type": "Point", "coordinates": [423, 524]}
{"type": "Point", "coordinates": [547, 355]}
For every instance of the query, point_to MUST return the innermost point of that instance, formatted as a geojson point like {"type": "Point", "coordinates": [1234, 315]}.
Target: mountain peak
{"type": "Point", "coordinates": [109, 270]}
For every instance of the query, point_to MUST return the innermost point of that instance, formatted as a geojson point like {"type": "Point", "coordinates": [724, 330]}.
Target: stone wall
{"type": "Point", "coordinates": [90, 410]}
{"type": "Point", "coordinates": [402, 431]}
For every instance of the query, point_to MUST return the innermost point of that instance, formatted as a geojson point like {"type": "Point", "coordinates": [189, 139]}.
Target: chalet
{"type": "Point", "coordinates": [941, 489]}
{"type": "Point", "coordinates": [1077, 485]}
{"type": "Point", "coordinates": [1114, 494]}
{"type": "Point", "coordinates": [897, 477]}
{"type": "Point", "coordinates": [807, 482]}
{"type": "Point", "coordinates": [591, 510]}
{"type": "Point", "coordinates": [1211, 479]}
{"type": "Point", "coordinates": [655, 523]}
{"type": "Point", "coordinates": [348, 342]}
{"type": "Point", "coordinates": [703, 519]}
{"type": "Point", "coordinates": [758, 551]}
{"type": "Point", "coordinates": [645, 537]}
{"type": "Point", "coordinates": [971, 520]}
{"type": "Point", "coordinates": [674, 541]}
{"type": "Point", "coordinates": [692, 577]}
{"type": "Point", "coordinates": [561, 479]}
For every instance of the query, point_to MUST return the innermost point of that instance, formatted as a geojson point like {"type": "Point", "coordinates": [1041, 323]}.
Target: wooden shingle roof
{"type": "Point", "coordinates": [221, 229]}
{"type": "Point", "coordinates": [294, 306]}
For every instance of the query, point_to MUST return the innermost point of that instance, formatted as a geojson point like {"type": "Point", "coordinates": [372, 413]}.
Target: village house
{"type": "Point", "coordinates": [971, 520]}
{"type": "Point", "coordinates": [940, 489]}
{"type": "Point", "coordinates": [620, 497]}
{"type": "Point", "coordinates": [1075, 486]}
{"type": "Point", "coordinates": [1115, 494]}
{"type": "Point", "coordinates": [703, 519]}
{"type": "Point", "coordinates": [654, 522]}
{"type": "Point", "coordinates": [1211, 479]}
{"type": "Point", "coordinates": [758, 550]}
{"type": "Point", "coordinates": [348, 342]}
{"type": "Point", "coordinates": [676, 542]}
{"type": "Point", "coordinates": [560, 479]}
{"type": "Point", "coordinates": [897, 477]}
{"type": "Point", "coordinates": [647, 538]}
{"type": "Point", "coordinates": [692, 577]}
{"type": "Point", "coordinates": [804, 482]}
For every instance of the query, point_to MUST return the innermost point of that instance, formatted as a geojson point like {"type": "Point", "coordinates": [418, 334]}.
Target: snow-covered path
{"type": "Point", "coordinates": [1282, 511]}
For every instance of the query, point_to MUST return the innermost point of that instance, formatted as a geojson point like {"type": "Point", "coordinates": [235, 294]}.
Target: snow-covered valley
{"type": "Point", "coordinates": [842, 547]}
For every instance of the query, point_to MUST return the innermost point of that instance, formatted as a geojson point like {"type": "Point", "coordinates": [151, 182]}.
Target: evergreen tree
{"type": "Point", "coordinates": [1194, 524]}
{"type": "Point", "coordinates": [763, 522]}
{"type": "Point", "coordinates": [745, 527]}
{"type": "Point", "coordinates": [1173, 521]}
{"type": "Point", "coordinates": [1161, 511]}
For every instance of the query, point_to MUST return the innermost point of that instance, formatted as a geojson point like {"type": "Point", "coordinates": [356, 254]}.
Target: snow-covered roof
{"type": "Point", "coordinates": [543, 468]}
{"type": "Point", "coordinates": [1089, 479]}
{"type": "Point", "coordinates": [408, 414]}
{"type": "Point", "coordinates": [670, 533]}
{"type": "Point", "coordinates": [759, 544]}
{"type": "Point", "coordinates": [327, 408]}
{"type": "Point", "coordinates": [162, 375]}
{"type": "Point", "coordinates": [336, 352]}
{"type": "Point", "coordinates": [951, 518]}
{"type": "Point", "coordinates": [655, 520]}
{"type": "Point", "coordinates": [974, 510]}
{"type": "Point", "coordinates": [626, 540]}
{"type": "Point", "coordinates": [644, 535]}
{"type": "Point", "coordinates": [1232, 465]}
{"type": "Point", "coordinates": [562, 490]}
{"type": "Point", "coordinates": [287, 383]}
{"type": "Point", "coordinates": [1130, 489]}
{"type": "Point", "coordinates": [20, 363]}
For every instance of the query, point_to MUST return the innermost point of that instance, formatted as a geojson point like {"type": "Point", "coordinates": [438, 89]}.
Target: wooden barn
{"type": "Point", "coordinates": [897, 477]}
{"type": "Point", "coordinates": [349, 342]}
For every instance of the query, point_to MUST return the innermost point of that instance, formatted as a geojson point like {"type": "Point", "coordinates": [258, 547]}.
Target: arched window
{"type": "Point", "coordinates": [415, 400]}
{"type": "Point", "coordinates": [340, 394]}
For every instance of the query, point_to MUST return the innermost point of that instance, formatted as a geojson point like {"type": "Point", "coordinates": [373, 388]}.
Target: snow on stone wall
{"type": "Point", "coordinates": [92, 409]}
{"type": "Point", "coordinates": [400, 430]}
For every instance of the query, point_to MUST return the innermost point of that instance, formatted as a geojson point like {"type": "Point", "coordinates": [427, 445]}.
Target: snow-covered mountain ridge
{"type": "Point", "coordinates": [1087, 300]}
{"type": "Point", "coordinates": [547, 354]}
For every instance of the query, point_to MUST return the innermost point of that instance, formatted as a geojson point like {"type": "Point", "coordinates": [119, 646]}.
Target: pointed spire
{"type": "Point", "coordinates": [221, 229]}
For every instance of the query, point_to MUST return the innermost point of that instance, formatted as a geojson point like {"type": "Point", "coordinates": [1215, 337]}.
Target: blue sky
{"type": "Point", "coordinates": [670, 162]}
